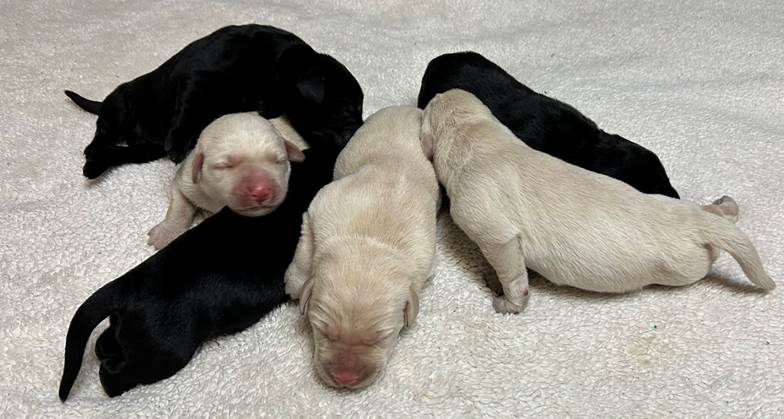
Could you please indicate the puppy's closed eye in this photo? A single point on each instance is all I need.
(326, 333)
(221, 166)
(226, 163)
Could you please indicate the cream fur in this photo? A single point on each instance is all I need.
(367, 247)
(254, 146)
(526, 209)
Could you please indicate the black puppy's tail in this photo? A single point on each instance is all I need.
(96, 308)
(91, 106)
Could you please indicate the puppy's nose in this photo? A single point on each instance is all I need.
(258, 192)
(345, 377)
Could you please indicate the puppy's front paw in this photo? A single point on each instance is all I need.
(502, 305)
(163, 234)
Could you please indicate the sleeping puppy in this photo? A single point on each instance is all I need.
(240, 161)
(367, 247)
(546, 124)
(526, 209)
(218, 278)
(234, 69)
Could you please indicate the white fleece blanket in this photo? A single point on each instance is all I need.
(700, 83)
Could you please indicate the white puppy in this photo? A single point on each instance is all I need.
(241, 161)
(526, 209)
(366, 249)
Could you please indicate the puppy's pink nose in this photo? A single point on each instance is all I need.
(258, 192)
(345, 377)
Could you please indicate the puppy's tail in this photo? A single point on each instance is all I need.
(721, 233)
(96, 308)
(91, 106)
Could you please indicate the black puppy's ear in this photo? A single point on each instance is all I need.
(312, 89)
(301, 67)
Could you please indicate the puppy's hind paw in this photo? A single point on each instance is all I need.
(725, 207)
(93, 169)
(163, 234)
(502, 305)
(728, 207)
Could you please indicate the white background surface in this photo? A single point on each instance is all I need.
(700, 83)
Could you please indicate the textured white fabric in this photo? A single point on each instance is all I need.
(700, 83)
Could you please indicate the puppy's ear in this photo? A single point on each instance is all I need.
(426, 138)
(412, 307)
(293, 152)
(198, 162)
(312, 89)
(304, 298)
(300, 66)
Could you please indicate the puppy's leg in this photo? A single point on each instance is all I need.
(298, 271)
(432, 270)
(100, 157)
(509, 264)
(179, 218)
(106, 346)
(724, 207)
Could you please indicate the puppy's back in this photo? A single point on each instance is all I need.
(389, 138)
(384, 185)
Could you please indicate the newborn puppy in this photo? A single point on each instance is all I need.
(367, 247)
(218, 278)
(526, 209)
(544, 123)
(240, 161)
(234, 69)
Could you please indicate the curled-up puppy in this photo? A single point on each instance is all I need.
(367, 247)
(218, 278)
(544, 123)
(234, 69)
(240, 161)
(526, 209)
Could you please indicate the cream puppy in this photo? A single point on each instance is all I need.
(526, 209)
(366, 249)
(241, 161)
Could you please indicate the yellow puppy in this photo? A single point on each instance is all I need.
(526, 209)
(367, 248)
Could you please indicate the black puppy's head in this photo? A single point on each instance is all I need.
(323, 99)
(633, 164)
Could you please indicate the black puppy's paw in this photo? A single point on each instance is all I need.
(106, 346)
(115, 380)
(93, 169)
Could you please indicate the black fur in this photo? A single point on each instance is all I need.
(218, 278)
(544, 123)
(234, 69)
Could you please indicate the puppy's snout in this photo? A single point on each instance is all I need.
(347, 370)
(259, 192)
(344, 377)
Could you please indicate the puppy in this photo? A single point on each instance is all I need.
(218, 278)
(546, 124)
(367, 247)
(234, 69)
(526, 209)
(240, 161)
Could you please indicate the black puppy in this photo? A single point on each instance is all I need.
(234, 69)
(544, 123)
(218, 278)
